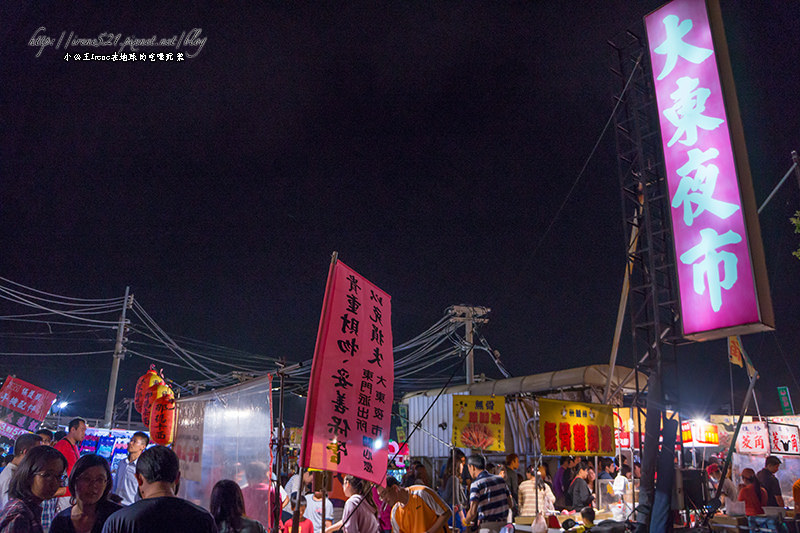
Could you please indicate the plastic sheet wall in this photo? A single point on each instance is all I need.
(236, 427)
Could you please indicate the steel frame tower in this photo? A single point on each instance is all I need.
(652, 301)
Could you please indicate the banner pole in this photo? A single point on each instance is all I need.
(279, 457)
(311, 387)
(730, 373)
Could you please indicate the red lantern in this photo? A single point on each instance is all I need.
(154, 392)
(149, 378)
(162, 420)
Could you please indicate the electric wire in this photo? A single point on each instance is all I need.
(119, 299)
(169, 343)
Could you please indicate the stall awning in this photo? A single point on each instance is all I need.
(593, 376)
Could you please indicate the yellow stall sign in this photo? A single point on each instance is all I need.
(479, 422)
(572, 428)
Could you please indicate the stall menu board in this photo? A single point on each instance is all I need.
(479, 422)
(573, 428)
(753, 439)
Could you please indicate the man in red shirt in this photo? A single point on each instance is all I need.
(70, 447)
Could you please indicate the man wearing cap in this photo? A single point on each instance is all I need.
(728, 488)
(768, 480)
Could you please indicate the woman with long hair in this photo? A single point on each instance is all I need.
(532, 489)
(37, 478)
(752, 493)
(90, 484)
(360, 513)
(454, 489)
(227, 508)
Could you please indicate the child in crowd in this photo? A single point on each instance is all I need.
(306, 526)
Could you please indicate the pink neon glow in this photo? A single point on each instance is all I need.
(738, 304)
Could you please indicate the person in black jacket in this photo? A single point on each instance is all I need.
(578, 494)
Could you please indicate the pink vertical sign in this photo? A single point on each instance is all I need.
(716, 278)
(351, 389)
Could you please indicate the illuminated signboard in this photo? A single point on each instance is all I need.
(718, 249)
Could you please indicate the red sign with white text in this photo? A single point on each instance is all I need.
(25, 398)
(351, 389)
(10, 431)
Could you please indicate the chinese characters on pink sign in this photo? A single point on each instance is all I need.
(349, 406)
(11, 432)
(30, 401)
(713, 258)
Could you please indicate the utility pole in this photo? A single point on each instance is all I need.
(796, 166)
(119, 354)
(469, 316)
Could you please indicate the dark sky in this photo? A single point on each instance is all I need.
(429, 143)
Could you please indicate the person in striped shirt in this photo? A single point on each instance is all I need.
(489, 499)
(415, 509)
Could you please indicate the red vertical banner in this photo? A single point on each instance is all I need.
(350, 395)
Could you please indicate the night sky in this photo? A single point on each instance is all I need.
(430, 143)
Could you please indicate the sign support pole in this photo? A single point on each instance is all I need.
(715, 502)
(119, 353)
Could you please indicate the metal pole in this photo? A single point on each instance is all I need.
(119, 353)
(296, 511)
(278, 461)
(453, 480)
(794, 168)
(730, 373)
(758, 411)
(471, 352)
(324, 477)
(715, 502)
(623, 306)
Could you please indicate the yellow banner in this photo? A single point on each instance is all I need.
(735, 351)
(479, 422)
(572, 428)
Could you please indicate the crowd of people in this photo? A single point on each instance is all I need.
(49, 486)
(46, 485)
